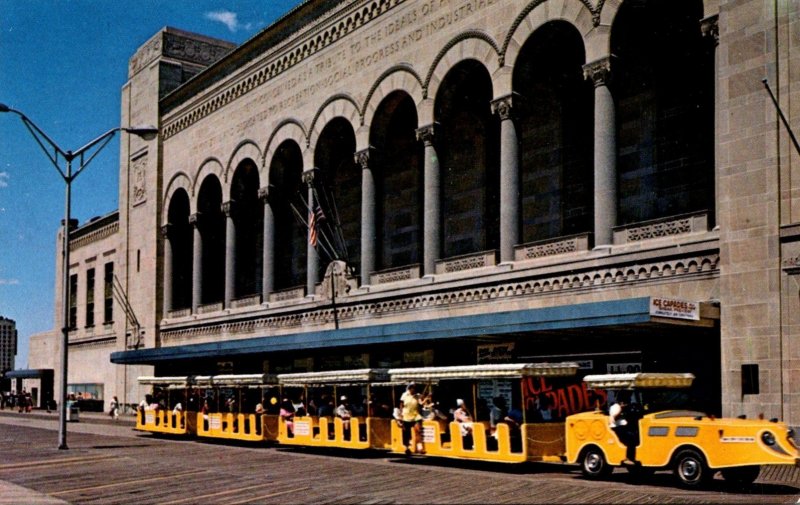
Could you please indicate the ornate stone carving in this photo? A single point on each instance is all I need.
(210, 307)
(287, 294)
(555, 247)
(502, 107)
(466, 262)
(309, 175)
(263, 194)
(172, 314)
(338, 278)
(362, 158)
(195, 219)
(147, 53)
(425, 134)
(579, 281)
(246, 301)
(709, 27)
(98, 234)
(193, 50)
(228, 208)
(139, 180)
(395, 275)
(599, 71)
(165, 231)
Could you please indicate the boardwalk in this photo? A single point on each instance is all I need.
(112, 464)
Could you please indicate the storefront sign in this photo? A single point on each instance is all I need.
(675, 309)
(496, 353)
(624, 367)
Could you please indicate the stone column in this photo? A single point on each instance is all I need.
(605, 153)
(710, 28)
(367, 216)
(509, 179)
(432, 243)
(268, 247)
(197, 262)
(312, 261)
(228, 209)
(165, 233)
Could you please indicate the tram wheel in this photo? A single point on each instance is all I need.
(594, 464)
(741, 476)
(691, 469)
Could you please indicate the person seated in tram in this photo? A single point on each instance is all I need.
(464, 419)
(287, 414)
(344, 412)
(325, 408)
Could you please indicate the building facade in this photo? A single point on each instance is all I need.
(600, 181)
(8, 343)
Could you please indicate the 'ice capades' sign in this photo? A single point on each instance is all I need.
(676, 309)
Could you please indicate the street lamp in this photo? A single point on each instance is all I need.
(55, 154)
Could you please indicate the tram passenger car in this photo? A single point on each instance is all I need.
(318, 395)
(531, 440)
(691, 444)
(154, 416)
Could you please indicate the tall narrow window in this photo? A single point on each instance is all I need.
(108, 294)
(73, 301)
(90, 298)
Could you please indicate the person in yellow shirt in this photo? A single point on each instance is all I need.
(412, 419)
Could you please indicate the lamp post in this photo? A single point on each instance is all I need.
(84, 155)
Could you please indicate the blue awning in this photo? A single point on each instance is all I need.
(585, 315)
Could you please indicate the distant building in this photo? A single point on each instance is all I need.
(8, 343)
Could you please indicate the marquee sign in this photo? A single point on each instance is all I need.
(674, 309)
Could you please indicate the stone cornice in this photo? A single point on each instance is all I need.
(279, 62)
(630, 274)
(94, 236)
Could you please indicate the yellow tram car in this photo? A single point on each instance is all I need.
(691, 444)
(530, 441)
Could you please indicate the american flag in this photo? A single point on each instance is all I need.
(314, 220)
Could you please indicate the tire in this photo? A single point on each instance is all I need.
(741, 476)
(690, 469)
(594, 464)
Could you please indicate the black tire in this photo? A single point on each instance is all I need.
(594, 464)
(690, 469)
(741, 476)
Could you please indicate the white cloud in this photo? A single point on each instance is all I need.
(9, 282)
(229, 19)
(4, 176)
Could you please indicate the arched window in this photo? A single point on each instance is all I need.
(248, 216)
(396, 163)
(286, 195)
(467, 143)
(212, 230)
(180, 238)
(662, 81)
(553, 107)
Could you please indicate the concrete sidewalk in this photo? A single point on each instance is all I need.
(86, 417)
(12, 494)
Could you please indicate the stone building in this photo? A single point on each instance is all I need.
(600, 181)
(8, 343)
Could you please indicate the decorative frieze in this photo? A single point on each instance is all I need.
(599, 71)
(287, 294)
(658, 228)
(246, 301)
(94, 236)
(467, 262)
(396, 275)
(210, 307)
(576, 282)
(552, 247)
(174, 314)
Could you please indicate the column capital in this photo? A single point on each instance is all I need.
(263, 194)
(503, 106)
(599, 71)
(166, 230)
(362, 157)
(228, 208)
(425, 134)
(310, 175)
(194, 219)
(709, 27)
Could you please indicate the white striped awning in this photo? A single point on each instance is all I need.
(147, 380)
(491, 371)
(639, 380)
(337, 377)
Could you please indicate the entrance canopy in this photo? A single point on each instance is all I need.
(577, 317)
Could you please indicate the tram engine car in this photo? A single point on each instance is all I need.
(692, 444)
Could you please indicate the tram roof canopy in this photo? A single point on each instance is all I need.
(491, 371)
(639, 380)
(165, 381)
(210, 380)
(339, 377)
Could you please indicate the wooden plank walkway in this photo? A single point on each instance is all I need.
(112, 464)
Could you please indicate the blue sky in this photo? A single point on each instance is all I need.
(63, 64)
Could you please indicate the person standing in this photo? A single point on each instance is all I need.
(114, 410)
(409, 403)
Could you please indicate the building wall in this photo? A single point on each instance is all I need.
(8, 343)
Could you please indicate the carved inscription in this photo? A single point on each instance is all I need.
(375, 46)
